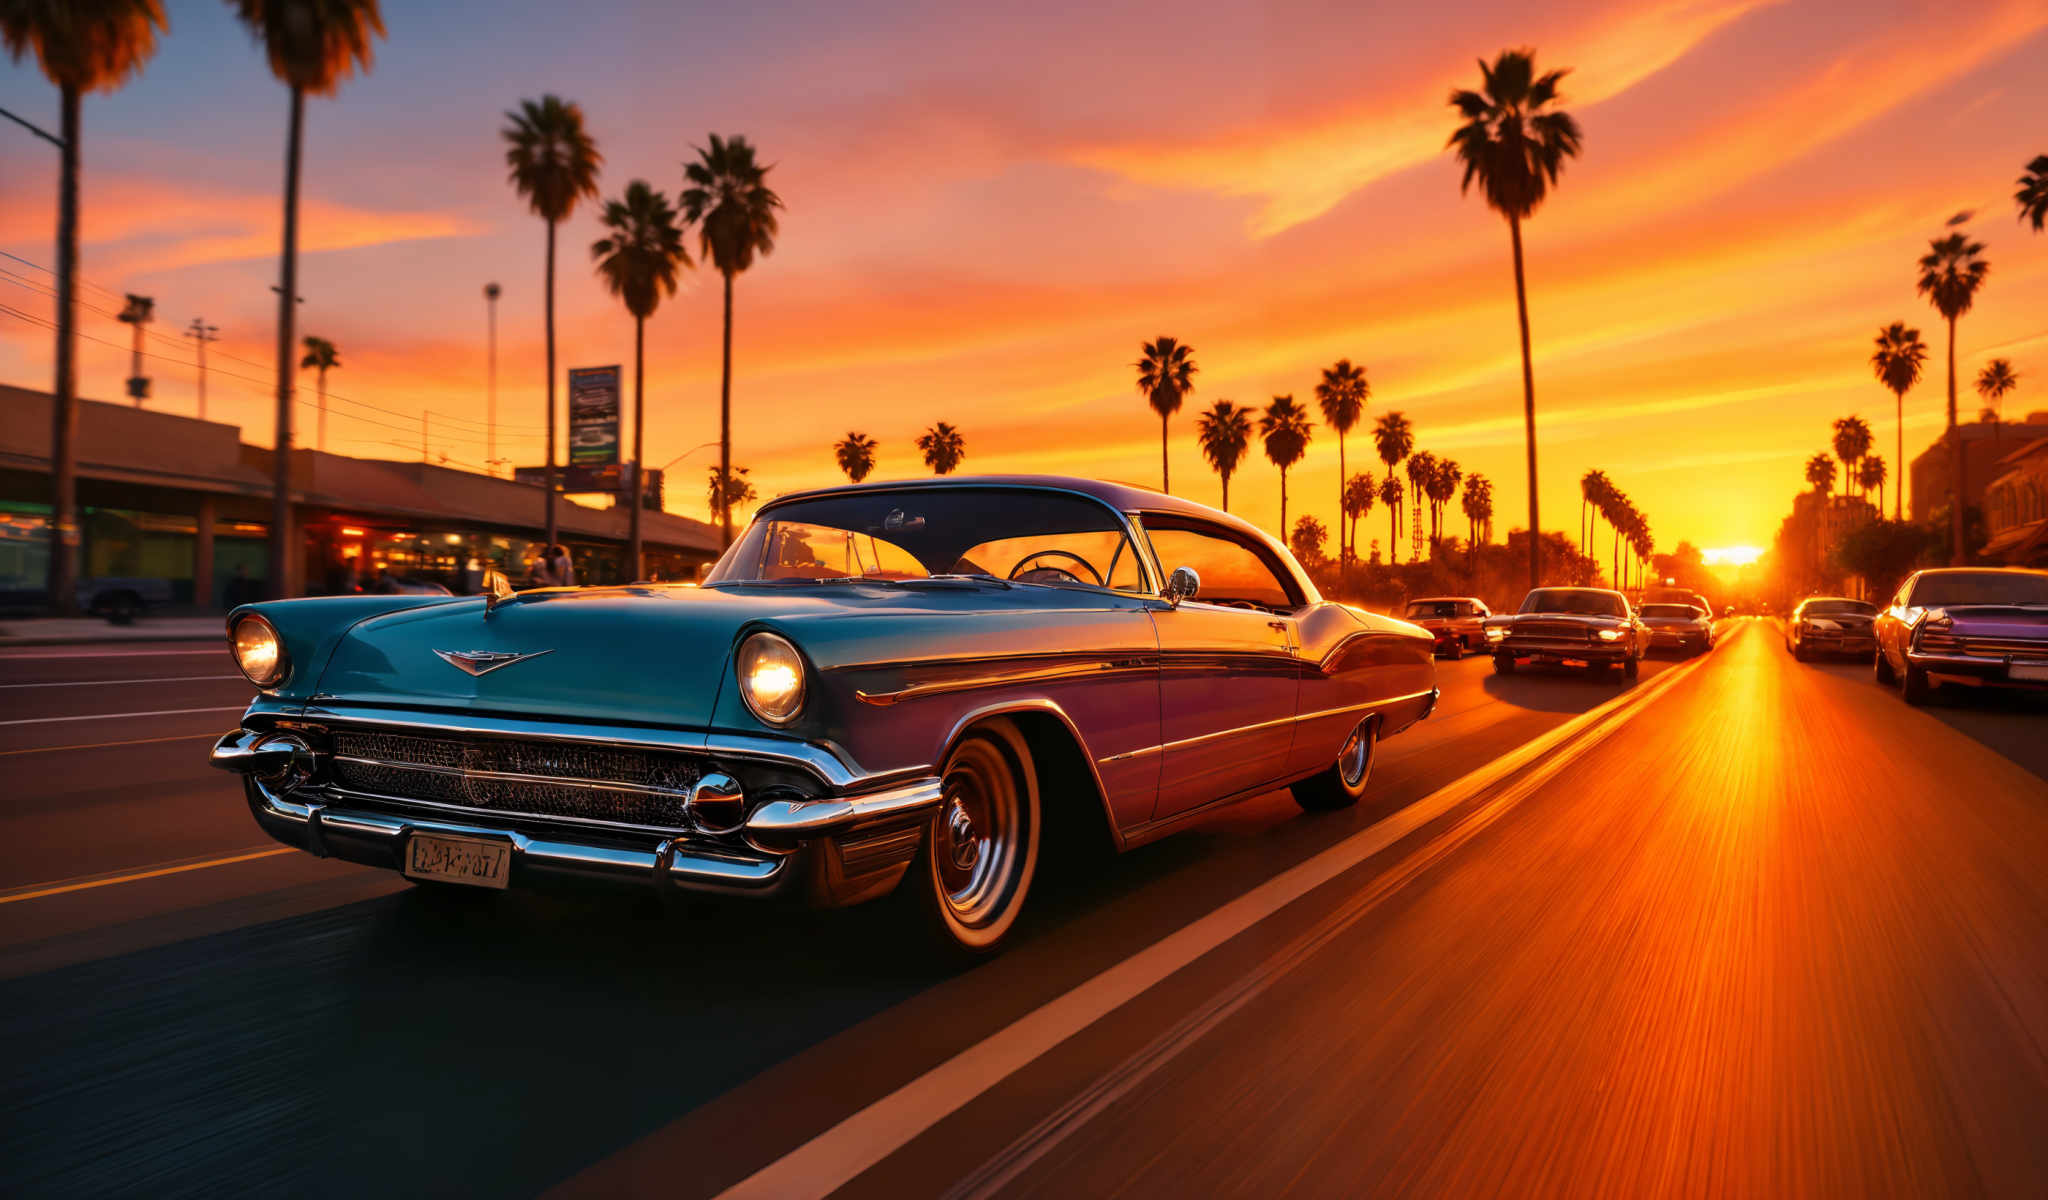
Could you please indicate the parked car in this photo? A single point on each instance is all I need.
(885, 688)
(1458, 623)
(1965, 626)
(1830, 625)
(1593, 629)
(120, 601)
(1679, 627)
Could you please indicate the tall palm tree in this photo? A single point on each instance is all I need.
(1286, 428)
(1442, 489)
(2033, 194)
(1478, 506)
(1421, 469)
(553, 162)
(312, 47)
(1851, 443)
(1342, 395)
(1166, 374)
(856, 455)
(1359, 493)
(1391, 494)
(1951, 272)
(1993, 382)
(1897, 360)
(1392, 439)
(1225, 431)
(1872, 475)
(1616, 508)
(1514, 142)
(320, 356)
(942, 447)
(82, 46)
(738, 490)
(733, 207)
(640, 262)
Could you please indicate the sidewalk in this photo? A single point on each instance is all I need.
(65, 631)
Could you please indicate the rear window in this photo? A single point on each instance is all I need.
(1432, 610)
(1579, 602)
(1839, 608)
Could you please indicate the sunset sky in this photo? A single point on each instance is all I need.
(988, 211)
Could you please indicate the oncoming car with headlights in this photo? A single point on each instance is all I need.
(904, 689)
(1593, 629)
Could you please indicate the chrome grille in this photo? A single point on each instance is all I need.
(614, 784)
(2000, 647)
(1556, 630)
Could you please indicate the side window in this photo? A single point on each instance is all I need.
(1232, 572)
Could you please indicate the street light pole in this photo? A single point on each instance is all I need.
(140, 311)
(491, 291)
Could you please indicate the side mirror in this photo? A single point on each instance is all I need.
(1181, 585)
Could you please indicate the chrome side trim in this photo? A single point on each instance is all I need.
(1141, 661)
(1220, 734)
(833, 766)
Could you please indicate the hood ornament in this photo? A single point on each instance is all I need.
(497, 589)
(483, 662)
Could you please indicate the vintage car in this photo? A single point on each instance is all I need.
(1830, 625)
(1968, 626)
(1679, 627)
(899, 688)
(1458, 623)
(1590, 628)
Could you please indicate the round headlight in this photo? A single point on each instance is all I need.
(1610, 635)
(259, 652)
(771, 678)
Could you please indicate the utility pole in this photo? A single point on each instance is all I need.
(63, 568)
(201, 333)
(491, 291)
(424, 456)
(140, 311)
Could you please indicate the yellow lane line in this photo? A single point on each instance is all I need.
(176, 737)
(132, 876)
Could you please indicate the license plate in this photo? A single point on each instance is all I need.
(479, 862)
(2030, 671)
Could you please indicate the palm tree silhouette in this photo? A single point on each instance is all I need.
(1851, 442)
(1392, 438)
(1897, 362)
(942, 447)
(1993, 382)
(82, 46)
(1872, 475)
(640, 263)
(1421, 471)
(1359, 493)
(1593, 487)
(1950, 275)
(1307, 540)
(856, 455)
(739, 490)
(1342, 395)
(1478, 506)
(1166, 374)
(2033, 194)
(1820, 472)
(320, 356)
(553, 163)
(1514, 142)
(311, 48)
(733, 207)
(1391, 494)
(1225, 431)
(1443, 488)
(1286, 428)
(1616, 508)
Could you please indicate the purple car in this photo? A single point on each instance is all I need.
(1975, 627)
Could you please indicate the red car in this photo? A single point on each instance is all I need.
(1458, 623)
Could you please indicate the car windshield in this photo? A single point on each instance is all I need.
(1839, 608)
(1980, 587)
(1682, 611)
(1582, 602)
(1017, 535)
(1432, 610)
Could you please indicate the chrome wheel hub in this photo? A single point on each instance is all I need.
(977, 836)
(960, 832)
(1355, 759)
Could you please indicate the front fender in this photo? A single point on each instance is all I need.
(311, 628)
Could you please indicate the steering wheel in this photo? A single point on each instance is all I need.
(1067, 554)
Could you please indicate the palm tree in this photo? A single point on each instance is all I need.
(1820, 472)
(733, 207)
(1442, 489)
(1166, 374)
(641, 262)
(942, 447)
(1897, 362)
(1478, 505)
(1224, 432)
(1851, 442)
(1421, 469)
(2033, 194)
(1393, 438)
(1359, 493)
(1307, 539)
(856, 455)
(1514, 142)
(320, 356)
(1391, 495)
(1287, 431)
(738, 490)
(553, 163)
(1993, 382)
(1950, 274)
(1872, 475)
(1342, 395)
(1616, 508)
(82, 46)
(311, 48)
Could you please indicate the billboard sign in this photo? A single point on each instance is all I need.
(593, 416)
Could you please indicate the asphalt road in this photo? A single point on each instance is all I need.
(1748, 927)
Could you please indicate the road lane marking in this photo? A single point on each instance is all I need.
(153, 679)
(153, 873)
(160, 712)
(176, 737)
(841, 1153)
(6, 656)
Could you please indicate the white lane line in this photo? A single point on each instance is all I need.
(160, 712)
(131, 877)
(10, 656)
(90, 682)
(840, 1154)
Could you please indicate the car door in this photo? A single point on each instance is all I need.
(1229, 674)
